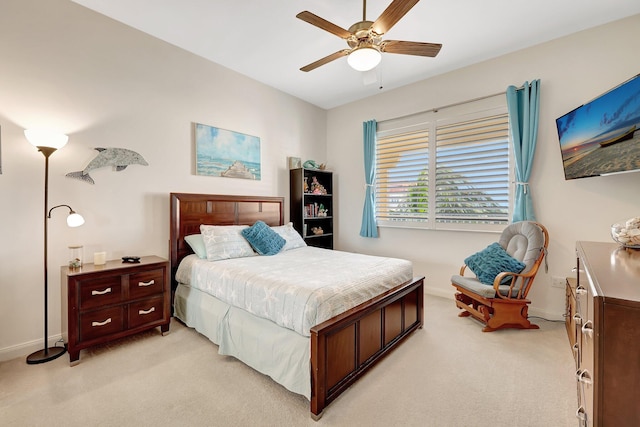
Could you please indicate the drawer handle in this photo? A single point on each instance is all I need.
(583, 376)
(577, 318)
(149, 283)
(587, 328)
(151, 310)
(576, 348)
(101, 323)
(106, 291)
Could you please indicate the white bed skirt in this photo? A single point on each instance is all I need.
(282, 354)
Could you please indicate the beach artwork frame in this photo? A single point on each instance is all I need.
(225, 153)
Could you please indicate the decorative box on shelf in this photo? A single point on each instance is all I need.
(101, 303)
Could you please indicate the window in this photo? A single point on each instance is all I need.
(465, 154)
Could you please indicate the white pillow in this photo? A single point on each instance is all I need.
(225, 242)
(293, 238)
(197, 244)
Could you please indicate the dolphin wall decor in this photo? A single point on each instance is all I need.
(119, 158)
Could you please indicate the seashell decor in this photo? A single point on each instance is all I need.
(627, 233)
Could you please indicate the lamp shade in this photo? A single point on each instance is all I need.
(75, 219)
(45, 138)
(364, 58)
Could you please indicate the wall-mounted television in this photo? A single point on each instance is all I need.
(602, 137)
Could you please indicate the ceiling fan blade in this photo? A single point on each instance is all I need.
(392, 14)
(323, 24)
(326, 59)
(410, 48)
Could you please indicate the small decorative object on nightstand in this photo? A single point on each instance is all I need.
(106, 302)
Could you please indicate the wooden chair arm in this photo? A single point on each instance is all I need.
(514, 277)
(462, 269)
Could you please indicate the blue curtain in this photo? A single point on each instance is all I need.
(523, 105)
(369, 227)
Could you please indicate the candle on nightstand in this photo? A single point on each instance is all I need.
(99, 258)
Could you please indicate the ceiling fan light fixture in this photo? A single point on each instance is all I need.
(364, 58)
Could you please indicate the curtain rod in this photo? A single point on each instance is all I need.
(480, 98)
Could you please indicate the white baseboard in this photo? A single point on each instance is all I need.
(25, 349)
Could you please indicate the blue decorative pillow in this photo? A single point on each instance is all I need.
(491, 261)
(263, 239)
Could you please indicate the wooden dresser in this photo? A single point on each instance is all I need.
(101, 303)
(607, 334)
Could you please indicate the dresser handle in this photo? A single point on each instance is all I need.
(151, 310)
(101, 323)
(149, 283)
(576, 348)
(587, 328)
(583, 376)
(577, 318)
(106, 291)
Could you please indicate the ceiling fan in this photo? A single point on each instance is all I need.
(365, 38)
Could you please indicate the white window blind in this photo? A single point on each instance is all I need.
(402, 179)
(472, 172)
(464, 155)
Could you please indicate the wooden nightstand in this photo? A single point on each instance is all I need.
(101, 303)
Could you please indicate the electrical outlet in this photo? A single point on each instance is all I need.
(558, 282)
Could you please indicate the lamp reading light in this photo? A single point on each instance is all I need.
(364, 58)
(73, 220)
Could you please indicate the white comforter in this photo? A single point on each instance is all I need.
(299, 288)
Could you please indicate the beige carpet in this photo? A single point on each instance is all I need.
(447, 374)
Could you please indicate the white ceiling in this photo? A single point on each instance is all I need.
(264, 40)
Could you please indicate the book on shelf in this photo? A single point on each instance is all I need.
(311, 210)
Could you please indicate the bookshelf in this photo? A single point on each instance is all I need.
(311, 205)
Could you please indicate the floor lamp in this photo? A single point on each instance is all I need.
(47, 143)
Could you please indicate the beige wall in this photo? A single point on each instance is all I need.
(107, 85)
(572, 70)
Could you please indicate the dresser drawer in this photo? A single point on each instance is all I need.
(100, 291)
(146, 283)
(147, 311)
(95, 324)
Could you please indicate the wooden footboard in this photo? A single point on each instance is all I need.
(346, 346)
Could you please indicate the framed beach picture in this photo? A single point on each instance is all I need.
(225, 153)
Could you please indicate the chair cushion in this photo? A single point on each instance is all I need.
(477, 287)
(523, 240)
(491, 261)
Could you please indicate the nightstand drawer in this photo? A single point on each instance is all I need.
(99, 323)
(147, 311)
(100, 292)
(146, 283)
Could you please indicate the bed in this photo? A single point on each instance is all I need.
(319, 361)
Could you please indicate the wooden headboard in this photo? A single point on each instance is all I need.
(188, 211)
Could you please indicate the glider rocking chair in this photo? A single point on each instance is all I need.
(504, 272)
